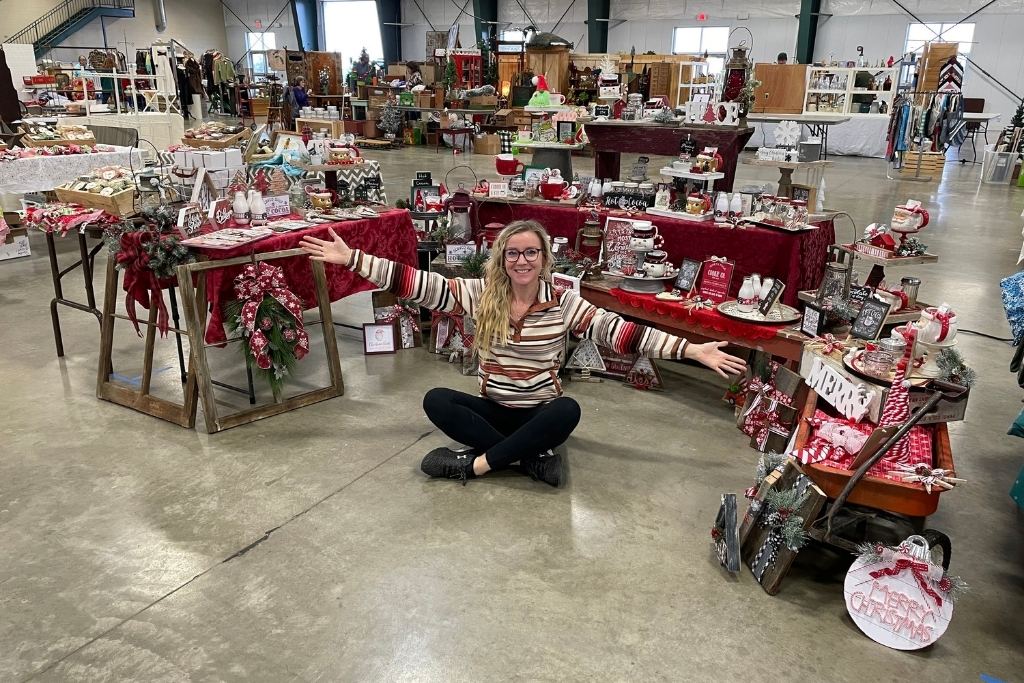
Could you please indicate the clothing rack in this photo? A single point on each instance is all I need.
(918, 97)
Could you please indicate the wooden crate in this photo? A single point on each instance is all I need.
(932, 164)
(120, 204)
(902, 498)
(259, 106)
(29, 142)
(223, 143)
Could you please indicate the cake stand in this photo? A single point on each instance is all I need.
(931, 368)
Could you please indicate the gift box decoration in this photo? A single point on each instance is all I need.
(769, 416)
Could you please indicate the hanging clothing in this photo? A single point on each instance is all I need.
(166, 78)
(195, 76)
(224, 70)
(207, 65)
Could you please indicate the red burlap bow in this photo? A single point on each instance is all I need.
(920, 572)
(762, 417)
(141, 284)
(259, 280)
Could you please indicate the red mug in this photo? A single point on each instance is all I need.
(551, 190)
(506, 164)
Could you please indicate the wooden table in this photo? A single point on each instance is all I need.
(815, 171)
(610, 138)
(788, 342)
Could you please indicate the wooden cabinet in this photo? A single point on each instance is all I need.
(781, 90)
(553, 62)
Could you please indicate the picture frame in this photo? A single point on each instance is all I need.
(455, 254)
(563, 281)
(566, 129)
(277, 206)
(689, 271)
(813, 320)
(535, 173)
(379, 338)
(808, 193)
(772, 298)
(869, 322)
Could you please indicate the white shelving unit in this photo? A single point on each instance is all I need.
(696, 81)
(830, 89)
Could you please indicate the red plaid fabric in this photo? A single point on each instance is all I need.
(820, 451)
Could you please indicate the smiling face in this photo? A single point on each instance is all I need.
(521, 271)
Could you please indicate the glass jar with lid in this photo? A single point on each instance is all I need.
(780, 211)
(799, 212)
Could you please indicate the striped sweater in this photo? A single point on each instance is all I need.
(523, 373)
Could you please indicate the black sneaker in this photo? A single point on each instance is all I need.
(448, 464)
(546, 467)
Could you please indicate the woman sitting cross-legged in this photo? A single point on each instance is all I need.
(520, 413)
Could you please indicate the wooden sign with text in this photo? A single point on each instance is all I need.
(715, 280)
(851, 399)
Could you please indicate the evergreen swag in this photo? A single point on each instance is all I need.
(275, 338)
(1018, 116)
(164, 252)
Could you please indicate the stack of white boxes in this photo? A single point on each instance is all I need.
(221, 164)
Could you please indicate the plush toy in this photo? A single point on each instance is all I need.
(541, 96)
(842, 436)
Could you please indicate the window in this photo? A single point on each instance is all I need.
(258, 44)
(919, 34)
(696, 40)
(349, 26)
(511, 36)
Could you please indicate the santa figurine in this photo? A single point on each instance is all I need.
(542, 95)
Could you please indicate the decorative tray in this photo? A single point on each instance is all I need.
(781, 314)
(775, 226)
(682, 215)
(854, 362)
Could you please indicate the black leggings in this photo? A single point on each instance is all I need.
(504, 434)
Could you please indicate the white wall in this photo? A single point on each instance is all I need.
(264, 10)
(17, 14)
(997, 49)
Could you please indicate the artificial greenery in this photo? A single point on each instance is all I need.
(474, 265)
(442, 232)
(780, 513)
(490, 65)
(401, 204)
(274, 320)
(449, 75)
(390, 117)
(165, 252)
(1018, 116)
(746, 98)
(954, 369)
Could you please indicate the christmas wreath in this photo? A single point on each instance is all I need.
(268, 316)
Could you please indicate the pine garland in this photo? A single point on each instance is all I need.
(165, 251)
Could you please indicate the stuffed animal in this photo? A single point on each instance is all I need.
(541, 96)
(842, 436)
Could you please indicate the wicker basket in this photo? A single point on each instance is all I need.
(120, 204)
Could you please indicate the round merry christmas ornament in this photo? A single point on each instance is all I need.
(897, 597)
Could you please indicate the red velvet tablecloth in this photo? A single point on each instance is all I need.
(707, 318)
(391, 236)
(798, 259)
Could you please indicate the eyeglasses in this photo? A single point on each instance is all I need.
(512, 255)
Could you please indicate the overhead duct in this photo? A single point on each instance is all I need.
(160, 14)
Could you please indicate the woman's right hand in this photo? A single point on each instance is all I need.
(333, 250)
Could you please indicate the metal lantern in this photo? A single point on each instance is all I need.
(836, 283)
(737, 71)
(460, 207)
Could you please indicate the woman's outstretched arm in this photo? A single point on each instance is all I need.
(430, 290)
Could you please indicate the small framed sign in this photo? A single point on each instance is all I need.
(566, 130)
(457, 253)
(774, 293)
(716, 278)
(422, 182)
(534, 173)
(609, 92)
(813, 320)
(561, 282)
(859, 294)
(423, 175)
(497, 190)
(808, 193)
(869, 322)
(602, 111)
(190, 220)
(688, 272)
(379, 338)
(277, 206)
(220, 213)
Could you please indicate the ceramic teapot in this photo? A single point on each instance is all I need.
(938, 325)
(656, 263)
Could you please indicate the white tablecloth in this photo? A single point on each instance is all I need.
(862, 135)
(37, 174)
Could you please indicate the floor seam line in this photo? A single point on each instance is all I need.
(236, 554)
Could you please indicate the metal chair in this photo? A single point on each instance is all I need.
(973, 105)
(110, 135)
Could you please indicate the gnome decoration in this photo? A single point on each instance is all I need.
(897, 404)
(541, 96)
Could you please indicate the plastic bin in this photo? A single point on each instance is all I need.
(997, 167)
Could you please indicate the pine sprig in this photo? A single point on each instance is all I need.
(953, 368)
(781, 514)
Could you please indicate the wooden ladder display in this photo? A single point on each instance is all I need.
(182, 414)
(274, 119)
(195, 309)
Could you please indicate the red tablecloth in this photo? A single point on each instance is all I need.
(390, 236)
(707, 318)
(798, 259)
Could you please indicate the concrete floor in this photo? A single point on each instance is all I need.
(309, 546)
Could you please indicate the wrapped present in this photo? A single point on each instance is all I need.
(769, 416)
(407, 318)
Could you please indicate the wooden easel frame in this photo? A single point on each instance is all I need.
(195, 309)
(182, 414)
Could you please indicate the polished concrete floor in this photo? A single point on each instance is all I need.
(309, 547)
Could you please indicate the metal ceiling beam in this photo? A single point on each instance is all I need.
(598, 16)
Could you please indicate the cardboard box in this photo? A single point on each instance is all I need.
(16, 248)
(487, 144)
(396, 71)
(370, 130)
(183, 158)
(439, 98)
(425, 100)
(222, 177)
(378, 96)
(373, 114)
(483, 102)
(430, 73)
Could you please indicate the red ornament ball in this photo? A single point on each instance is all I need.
(289, 335)
(266, 323)
(945, 584)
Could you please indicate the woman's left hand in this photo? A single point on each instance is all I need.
(711, 355)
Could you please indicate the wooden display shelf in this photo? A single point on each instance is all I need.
(547, 110)
(676, 173)
(911, 315)
(793, 165)
(28, 141)
(895, 261)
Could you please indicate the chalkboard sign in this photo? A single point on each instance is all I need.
(859, 294)
(372, 182)
(604, 110)
(870, 320)
(774, 293)
(688, 272)
(813, 320)
(629, 201)
(424, 175)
